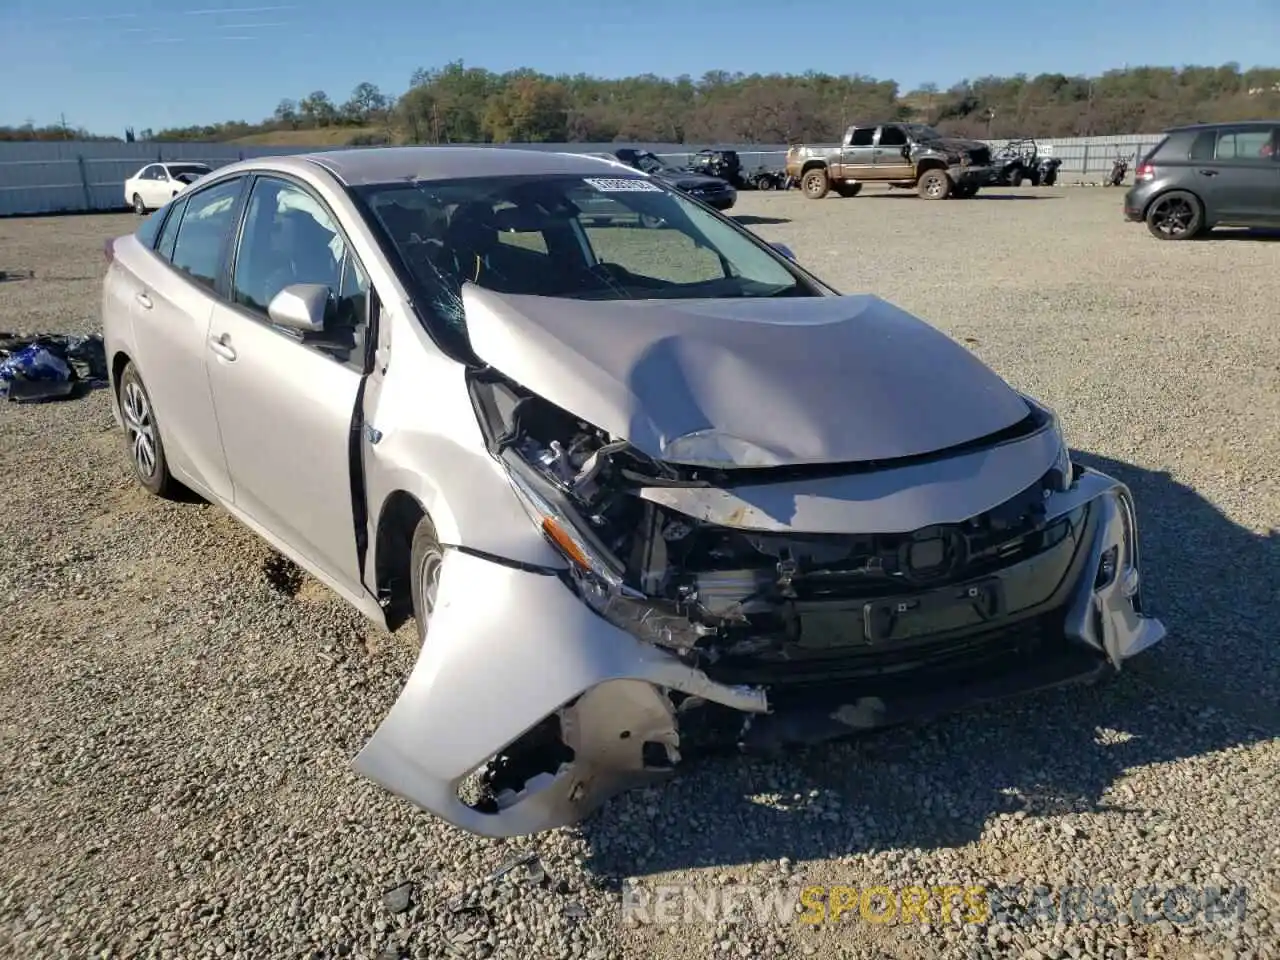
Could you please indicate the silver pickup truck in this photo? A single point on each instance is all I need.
(911, 155)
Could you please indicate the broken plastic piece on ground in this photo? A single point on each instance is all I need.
(7, 275)
(49, 366)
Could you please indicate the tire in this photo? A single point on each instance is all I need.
(815, 184)
(964, 191)
(934, 185)
(1176, 215)
(426, 558)
(142, 436)
(139, 207)
(848, 189)
(764, 183)
(1015, 177)
(1035, 178)
(1050, 179)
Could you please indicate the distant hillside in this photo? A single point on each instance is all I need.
(460, 104)
(319, 137)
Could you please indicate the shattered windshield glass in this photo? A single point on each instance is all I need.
(590, 238)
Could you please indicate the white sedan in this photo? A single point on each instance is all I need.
(157, 183)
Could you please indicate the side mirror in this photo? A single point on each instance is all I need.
(300, 306)
(786, 251)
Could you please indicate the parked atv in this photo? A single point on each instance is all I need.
(1020, 160)
(765, 179)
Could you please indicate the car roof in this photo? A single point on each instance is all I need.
(1224, 123)
(373, 165)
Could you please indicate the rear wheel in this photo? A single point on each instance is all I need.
(1176, 215)
(426, 560)
(934, 185)
(848, 189)
(964, 191)
(815, 184)
(1015, 177)
(764, 182)
(142, 432)
(139, 207)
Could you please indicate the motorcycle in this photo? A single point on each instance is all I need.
(1119, 169)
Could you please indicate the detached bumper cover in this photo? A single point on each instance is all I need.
(508, 648)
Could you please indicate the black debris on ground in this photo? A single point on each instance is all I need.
(40, 367)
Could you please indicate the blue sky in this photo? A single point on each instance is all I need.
(107, 64)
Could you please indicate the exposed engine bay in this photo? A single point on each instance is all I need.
(710, 591)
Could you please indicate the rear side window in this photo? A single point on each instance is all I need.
(169, 234)
(150, 229)
(202, 234)
(1203, 146)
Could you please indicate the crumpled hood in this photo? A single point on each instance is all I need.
(955, 144)
(792, 380)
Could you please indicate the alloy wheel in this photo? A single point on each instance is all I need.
(140, 425)
(1172, 216)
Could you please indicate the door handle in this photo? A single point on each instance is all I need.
(221, 345)
(144, 299)
(1208, 173)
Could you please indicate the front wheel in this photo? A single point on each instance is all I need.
(139, 207)
(815, 184)
(142, 431)
(426, 560)
(1176, 215)
(934, 185)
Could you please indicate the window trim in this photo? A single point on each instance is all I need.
(362, 364)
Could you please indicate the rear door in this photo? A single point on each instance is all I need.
(890, 154)
(1236, 171)
(286, 403)
(172, 304)
(857, 158)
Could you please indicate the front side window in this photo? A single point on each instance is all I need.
(289, 237)
(206, 224)
(892, 137)
(598, 237)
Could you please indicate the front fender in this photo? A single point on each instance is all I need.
(505, 649)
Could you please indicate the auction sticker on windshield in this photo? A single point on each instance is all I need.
(621, 185)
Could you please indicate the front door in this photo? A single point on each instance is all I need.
(286, 401)
(891, 159)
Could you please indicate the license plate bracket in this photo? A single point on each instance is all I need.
(947, 609)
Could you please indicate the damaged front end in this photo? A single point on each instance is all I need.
(750, 606)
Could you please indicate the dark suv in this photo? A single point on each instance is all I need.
(1202, 176)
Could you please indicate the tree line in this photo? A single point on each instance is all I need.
(461, 104)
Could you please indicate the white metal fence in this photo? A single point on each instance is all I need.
(58, 176)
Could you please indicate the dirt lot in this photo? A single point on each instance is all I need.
(177, 713)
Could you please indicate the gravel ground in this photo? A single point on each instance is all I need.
(178, 709)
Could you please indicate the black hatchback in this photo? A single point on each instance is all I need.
(1207, 175)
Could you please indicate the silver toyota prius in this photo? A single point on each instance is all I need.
(638, 476)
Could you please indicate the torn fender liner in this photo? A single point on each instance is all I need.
(796, 380)
(949, 490)
(505, 650)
